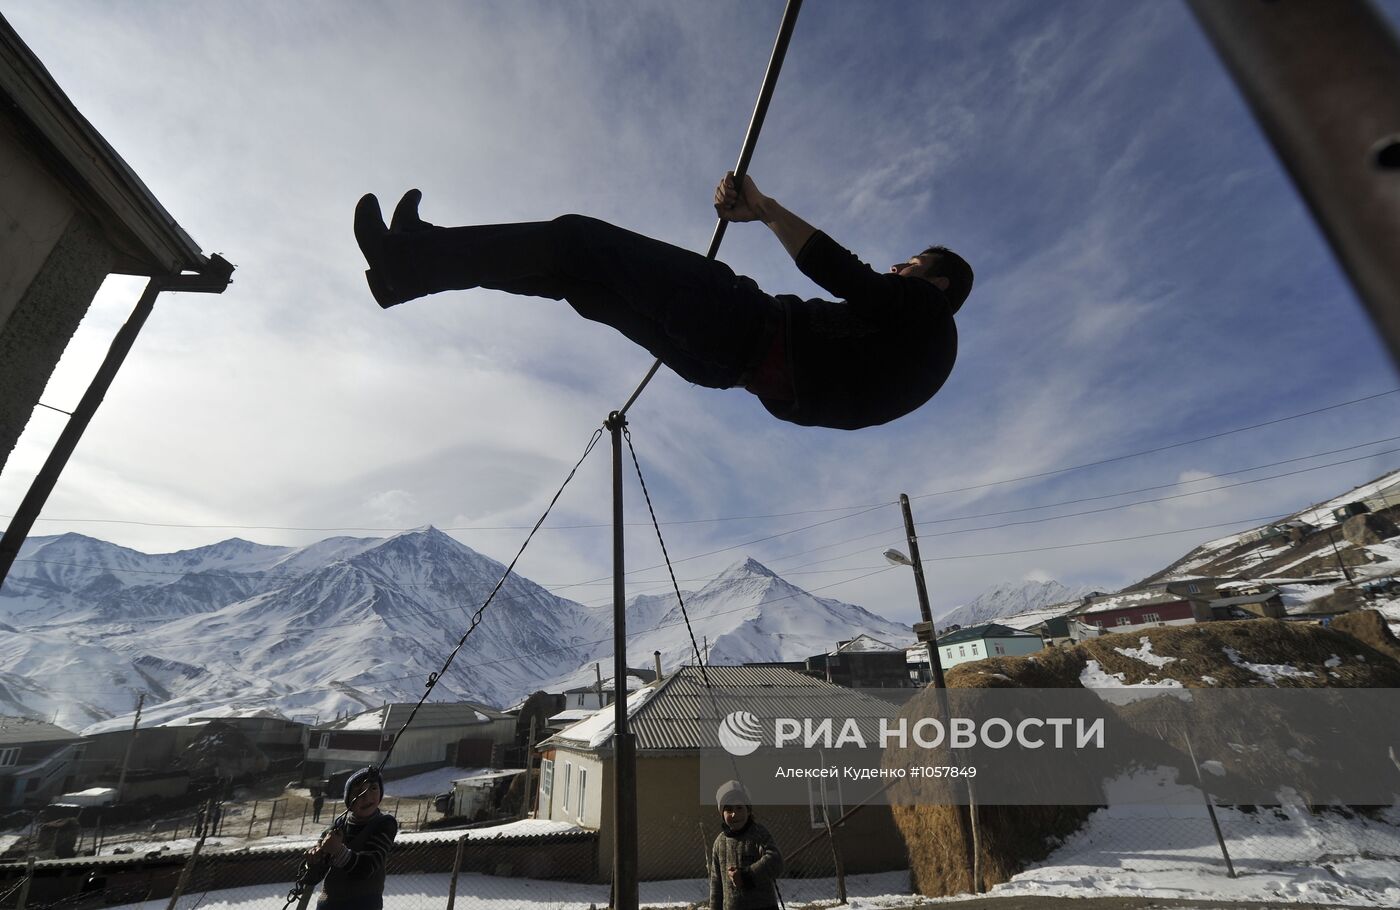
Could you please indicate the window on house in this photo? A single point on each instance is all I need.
(824, 801)
(1001, 649)
(568, 779)
(962, 650)
(1151, 617)
(9, 757)
(949, 652)
(546, 783)
(1125, 621)
(1193, 588)
(582, 786)
(974, 649)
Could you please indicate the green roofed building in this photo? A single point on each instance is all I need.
(987, 640)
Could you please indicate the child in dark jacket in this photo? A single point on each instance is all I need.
(356, 848)
(744, 862)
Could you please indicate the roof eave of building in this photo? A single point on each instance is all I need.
(147, 239)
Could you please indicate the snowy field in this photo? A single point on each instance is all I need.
(486, 892)
(1169, 850)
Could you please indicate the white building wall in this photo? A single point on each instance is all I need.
(982, 648)
(564, 802)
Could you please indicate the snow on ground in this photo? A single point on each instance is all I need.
(1144, 653)
(1297, 597)
(1270, 672)
(1319, 515)
(1154, 841)
(429, 783)
(1390, 609)
(1168, 850)
(489, 892)
(1112, 687)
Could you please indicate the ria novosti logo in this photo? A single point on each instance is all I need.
(740, 733)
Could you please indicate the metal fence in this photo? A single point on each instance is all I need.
(542, 864)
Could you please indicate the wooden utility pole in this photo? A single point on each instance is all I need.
(126, 758)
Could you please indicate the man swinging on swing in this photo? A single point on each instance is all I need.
(878, 353)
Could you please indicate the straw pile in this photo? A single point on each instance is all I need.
(1211, 655)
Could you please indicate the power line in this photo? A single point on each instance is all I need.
(878, 533)
(923, 523)
(1174, 445)
(725, 518)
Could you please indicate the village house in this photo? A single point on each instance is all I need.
(1175, 603)
(987, 640)
(676, 821)
(195, 748)
(1133, 610)
(464, 734)
(863, 662)
(37, 761)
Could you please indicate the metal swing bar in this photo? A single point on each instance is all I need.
(625, 840)
(760, 110)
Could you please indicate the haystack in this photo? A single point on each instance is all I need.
(1368, 528)
(1371, 629)
(1205, 656)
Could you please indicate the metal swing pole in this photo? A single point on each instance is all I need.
(760, 110)
(625, 892)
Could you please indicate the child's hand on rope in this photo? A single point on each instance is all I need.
(330, 846)
(733, 205)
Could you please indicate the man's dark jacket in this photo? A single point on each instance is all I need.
(878, 353)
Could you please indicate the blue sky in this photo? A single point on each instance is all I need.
(1146, 275)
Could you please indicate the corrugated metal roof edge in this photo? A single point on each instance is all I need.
(450, 835)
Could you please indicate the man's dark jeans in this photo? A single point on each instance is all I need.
(709, 325)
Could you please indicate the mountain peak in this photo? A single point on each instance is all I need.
(748, 566)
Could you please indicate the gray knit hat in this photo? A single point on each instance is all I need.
(359, 781)
(731, 793)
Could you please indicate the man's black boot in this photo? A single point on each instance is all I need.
(373, 236)
(413, 258)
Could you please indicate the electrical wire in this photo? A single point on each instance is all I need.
(725, 518)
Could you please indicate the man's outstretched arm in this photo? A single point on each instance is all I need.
(752, 205)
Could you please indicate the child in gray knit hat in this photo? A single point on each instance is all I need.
(744, 862)
(352, 854)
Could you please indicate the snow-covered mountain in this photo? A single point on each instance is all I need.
(748, 614)
(345, 624)
(1008, 599)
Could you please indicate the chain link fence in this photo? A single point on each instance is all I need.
(524, 863)
(533, 863)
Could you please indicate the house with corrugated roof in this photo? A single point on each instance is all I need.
(987, 640)
(864, 662)
(675, 723)
(1175, 603)
(464, 734)
(1129, 611)
(37, 759)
